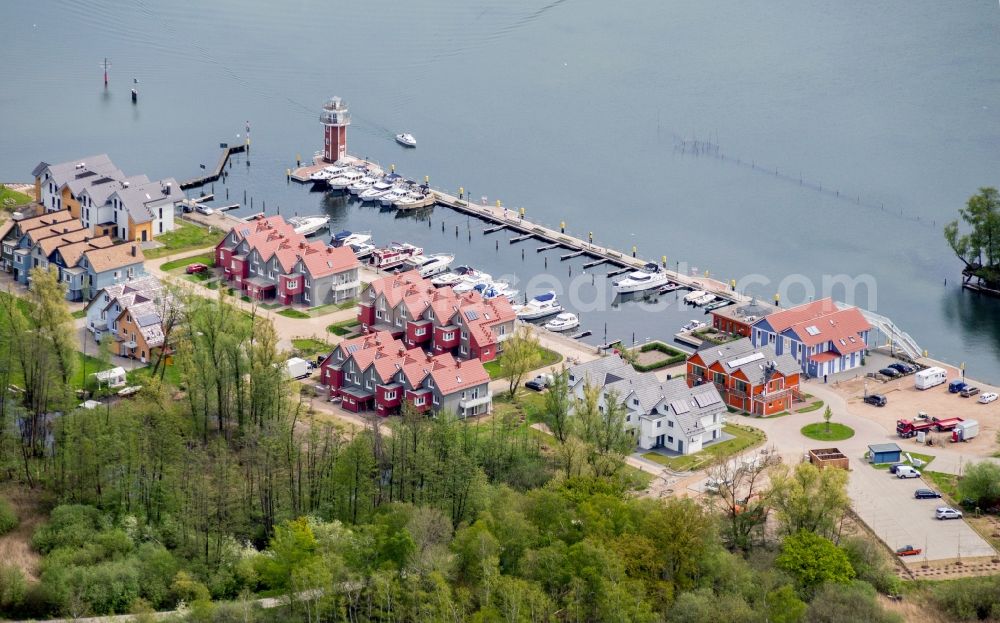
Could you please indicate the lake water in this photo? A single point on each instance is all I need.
(575, 110)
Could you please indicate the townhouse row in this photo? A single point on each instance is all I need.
(268, 260)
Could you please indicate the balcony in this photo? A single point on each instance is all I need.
(347, 285)
(470, 403)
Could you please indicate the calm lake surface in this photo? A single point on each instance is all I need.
(888, 113)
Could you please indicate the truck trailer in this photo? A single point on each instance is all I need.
(909, 428)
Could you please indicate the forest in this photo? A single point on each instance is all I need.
(224, 497)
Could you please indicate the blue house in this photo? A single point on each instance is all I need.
(823, 338)
(105, 267)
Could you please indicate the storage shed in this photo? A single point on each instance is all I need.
(115, 377)
(883, 453)
(829, 457)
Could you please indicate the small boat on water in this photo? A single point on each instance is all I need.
(704, 300)
(362, 250)
(393, 195)
(430, 265)
(348, 238)
(694, 325)
(563, 322)
(308, 225)
(362, 185)
(717, 304)
(496, 289)
(697, 294)
(326, 173)
(378, 189)
(646, 279)
(394, 255)
(453, 277)
(406, 140)
(541, 306)
(345, 179)
(670, 287)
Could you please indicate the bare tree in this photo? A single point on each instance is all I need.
(742, 496)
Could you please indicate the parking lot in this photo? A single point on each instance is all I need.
(887, 505)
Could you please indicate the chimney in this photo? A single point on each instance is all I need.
(429, 357)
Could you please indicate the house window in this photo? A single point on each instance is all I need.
(670, 423)
(465, 335)
(628, 418)
(450, 335)
(464, 350)
(368, 383)
(418, 401)
(463, 395)
(390, 395)
(659, 423)
(421, 331)
(670, 439)
(503, 329)
(118, 274)
(635, 401)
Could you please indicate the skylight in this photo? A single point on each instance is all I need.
(812, 330)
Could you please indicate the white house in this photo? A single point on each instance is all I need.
(666, 414)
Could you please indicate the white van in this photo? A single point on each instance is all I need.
(925, 379)
(905, 471)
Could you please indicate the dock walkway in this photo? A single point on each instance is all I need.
(227, 151)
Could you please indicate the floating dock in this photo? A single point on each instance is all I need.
(499, 218)
(227, 151)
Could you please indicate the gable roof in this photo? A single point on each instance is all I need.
(145, 288)
(451, 376)
(25, 225)
(92, 167)
(742, 356)
(71, 253)
(781, 320)
(52, 233)
(328, 260)
(843, 328)
(141, 200)
(115, 256)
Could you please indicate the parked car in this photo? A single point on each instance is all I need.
(890, 372)
(902, 368)
(926, 494)
(195, 268)
(876, 399)
(987, 398)
(202, 209)
(946, 512)
(908, 550)
(905, 471)
(970, 390)
(540, 382)
(956, 386)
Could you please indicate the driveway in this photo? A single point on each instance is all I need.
(883, 502)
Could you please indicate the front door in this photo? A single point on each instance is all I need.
(680, 446)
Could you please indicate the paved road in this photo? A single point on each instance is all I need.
(885, 503)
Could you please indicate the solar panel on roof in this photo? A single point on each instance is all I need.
(471, 314)
(679, 406)
(742, 361)
(148, 319)
(706, 399)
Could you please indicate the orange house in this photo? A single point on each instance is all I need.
(737, 319)
(753, 380)
(140, 331)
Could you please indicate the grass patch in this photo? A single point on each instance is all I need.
(208, 259)
(546, 358)
(171, 376)
(710, 334)
(293, 313)
(80, 313)
(673, 356)
(344, 327)
(11, 198)
(926, 458)
(744, 437)
(819, 432)
(308, 347)
(812, 407)
(185, 236)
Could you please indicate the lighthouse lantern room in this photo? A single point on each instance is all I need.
(335, 119)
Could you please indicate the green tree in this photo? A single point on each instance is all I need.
(848, 601)
(981, 483)
(601, 416)
(813, 560)
(520, 355)
(827, 416)
(558, 403)
(784, 606)
(808, 498)
(979, 249)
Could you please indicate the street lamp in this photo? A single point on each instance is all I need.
(962, 368)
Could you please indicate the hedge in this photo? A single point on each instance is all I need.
(675, 356)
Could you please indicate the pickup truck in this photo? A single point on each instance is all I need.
(908, 550)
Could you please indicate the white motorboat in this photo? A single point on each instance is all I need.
(394, 255)
(541, 306)
(430, 265)
(563, 322)
(393, 195)
(375, 192)
(453, 277)
(670, 287)
(646, 279)
(469, 282)
(348, 238)
(406, 140)
(495, 289)
(694, 325)
(697, 294)
(362, 250)
(345, 179)
(704, 300)
(308, 225)
(329, 172)
(362, 185)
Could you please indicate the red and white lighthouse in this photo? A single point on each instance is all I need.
(335, 119)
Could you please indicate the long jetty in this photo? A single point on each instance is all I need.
(499, 218)
(216, 173)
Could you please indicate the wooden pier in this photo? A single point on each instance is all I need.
(227, 151)
(596, 262)
(568, 256)
(547, 247)
(499, 218)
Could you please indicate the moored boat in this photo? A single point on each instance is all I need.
(638, 281)
(430, 265)
(394, 255)
(406, 140)
(308, 225)
(563, 322)
(541, 306)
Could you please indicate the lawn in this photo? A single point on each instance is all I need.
(819, 432)
(208, 259)
(10, 198)
(546, 358)
(744, 437)
(810, 407)
(80, 313)
(185, 236)
(344, 327)
(293, 313)
(926, 458)
(140, 376)
(307, 347)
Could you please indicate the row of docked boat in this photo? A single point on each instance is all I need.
(370, 184)
(699, 298)
(468, 279)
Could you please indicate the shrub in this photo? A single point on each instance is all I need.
(674, 356)
(8, 519)
(981, 483)
(836, 603)
(70, 525)
(813, 560)
(970, 599)
(869, 562)
(13, 587)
